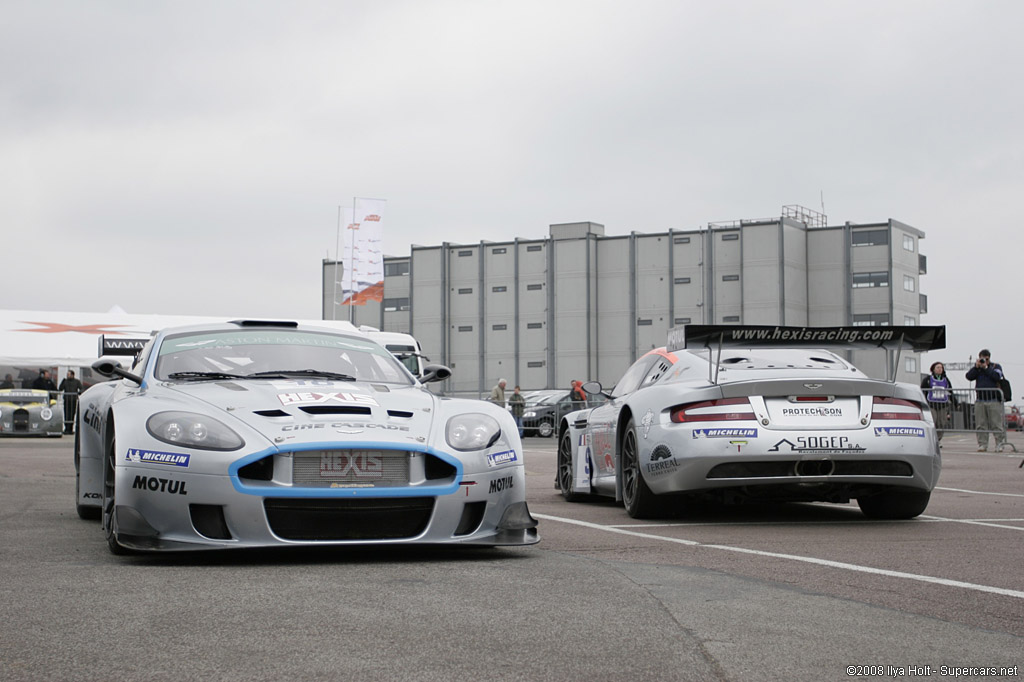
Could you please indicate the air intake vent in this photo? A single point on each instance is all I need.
(330, 409)
(400, 413)
(272, 413)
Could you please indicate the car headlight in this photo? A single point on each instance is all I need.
(193, 430)
(472, 431)
(46, 414)
(531, 413)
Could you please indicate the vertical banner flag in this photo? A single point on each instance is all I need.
(363, 254)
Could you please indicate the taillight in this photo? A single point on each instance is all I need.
(895, 408)
(724, 410)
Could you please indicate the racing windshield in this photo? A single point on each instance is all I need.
(276, 353)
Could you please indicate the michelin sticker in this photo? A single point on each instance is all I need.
(499, 458)
(724, 433)
(912, 432)
(173, 459)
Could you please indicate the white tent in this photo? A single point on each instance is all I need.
(38, 338)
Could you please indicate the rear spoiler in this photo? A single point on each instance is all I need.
(120, 346)
(915, 338)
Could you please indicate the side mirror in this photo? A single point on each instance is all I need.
(432, 373)
(593, 388)
(111, 369)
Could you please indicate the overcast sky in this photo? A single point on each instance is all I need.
(190, 157)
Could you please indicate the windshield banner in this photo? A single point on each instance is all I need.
(917, 338)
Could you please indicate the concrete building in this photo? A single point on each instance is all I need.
(583, 305)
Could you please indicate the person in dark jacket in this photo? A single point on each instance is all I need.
(988, 406)
(938, 392)
(71, 387)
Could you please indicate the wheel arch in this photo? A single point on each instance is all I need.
(625, 416)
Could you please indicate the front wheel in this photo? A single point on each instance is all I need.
(545, 428)
(565, 470)
(894, 504)
(638, 499)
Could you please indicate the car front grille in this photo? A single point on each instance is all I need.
(351, 468)
(349, 519)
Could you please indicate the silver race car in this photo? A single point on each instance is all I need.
(256, 433)
(733, 414)
(30, 412)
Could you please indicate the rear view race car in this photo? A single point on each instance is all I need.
(752, 421)
(251, 434)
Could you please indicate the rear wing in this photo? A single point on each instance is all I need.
(121, 346)
(710, 336)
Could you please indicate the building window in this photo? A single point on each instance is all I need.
(534, 287)
(870, 237)
(535, 363)
(499, 327)
(730, 278)
(908, 243)
(731, 237)
(393, 304)
(534, 325)
(498, 251)
(870, 319)
(682, 280)
(682, 320)
(681, 240)
(731, 318)
(911, 364)
(908, 283)
(396, 268)
(468, 252)
(499, 289)
(466, 328)
(909, 321)
(467, 290)
(534, 247)
(870, 279)
(642, 322)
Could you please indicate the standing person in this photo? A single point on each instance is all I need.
(8, 382)
(498, 393)
(518, 404)
(988, 405)
(579, 396)
(938, 393)
(44, 382)
(71, 388)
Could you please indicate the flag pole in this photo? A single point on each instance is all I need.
(334, 289)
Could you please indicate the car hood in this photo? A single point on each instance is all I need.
(290, 413)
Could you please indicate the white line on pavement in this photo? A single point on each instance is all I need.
(793, 557)
(973, 522)
(978, 492)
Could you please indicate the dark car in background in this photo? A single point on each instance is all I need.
(1014, 419)
(545, 408)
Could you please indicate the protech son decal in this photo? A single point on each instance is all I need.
(174, 459)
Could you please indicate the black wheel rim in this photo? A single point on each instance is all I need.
(630, 469)
(565, 463)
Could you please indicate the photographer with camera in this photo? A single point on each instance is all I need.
(988, 406)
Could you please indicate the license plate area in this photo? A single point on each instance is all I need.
(835, 413)
(355, 468)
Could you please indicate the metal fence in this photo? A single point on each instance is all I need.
(954, 411)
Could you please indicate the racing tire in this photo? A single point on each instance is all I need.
(638, 499)
(545, 428)
(565, 472)
(894, 504)
(109, 489)
(85, 512)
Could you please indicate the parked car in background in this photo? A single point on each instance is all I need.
(1014, 419)
(30, 412)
